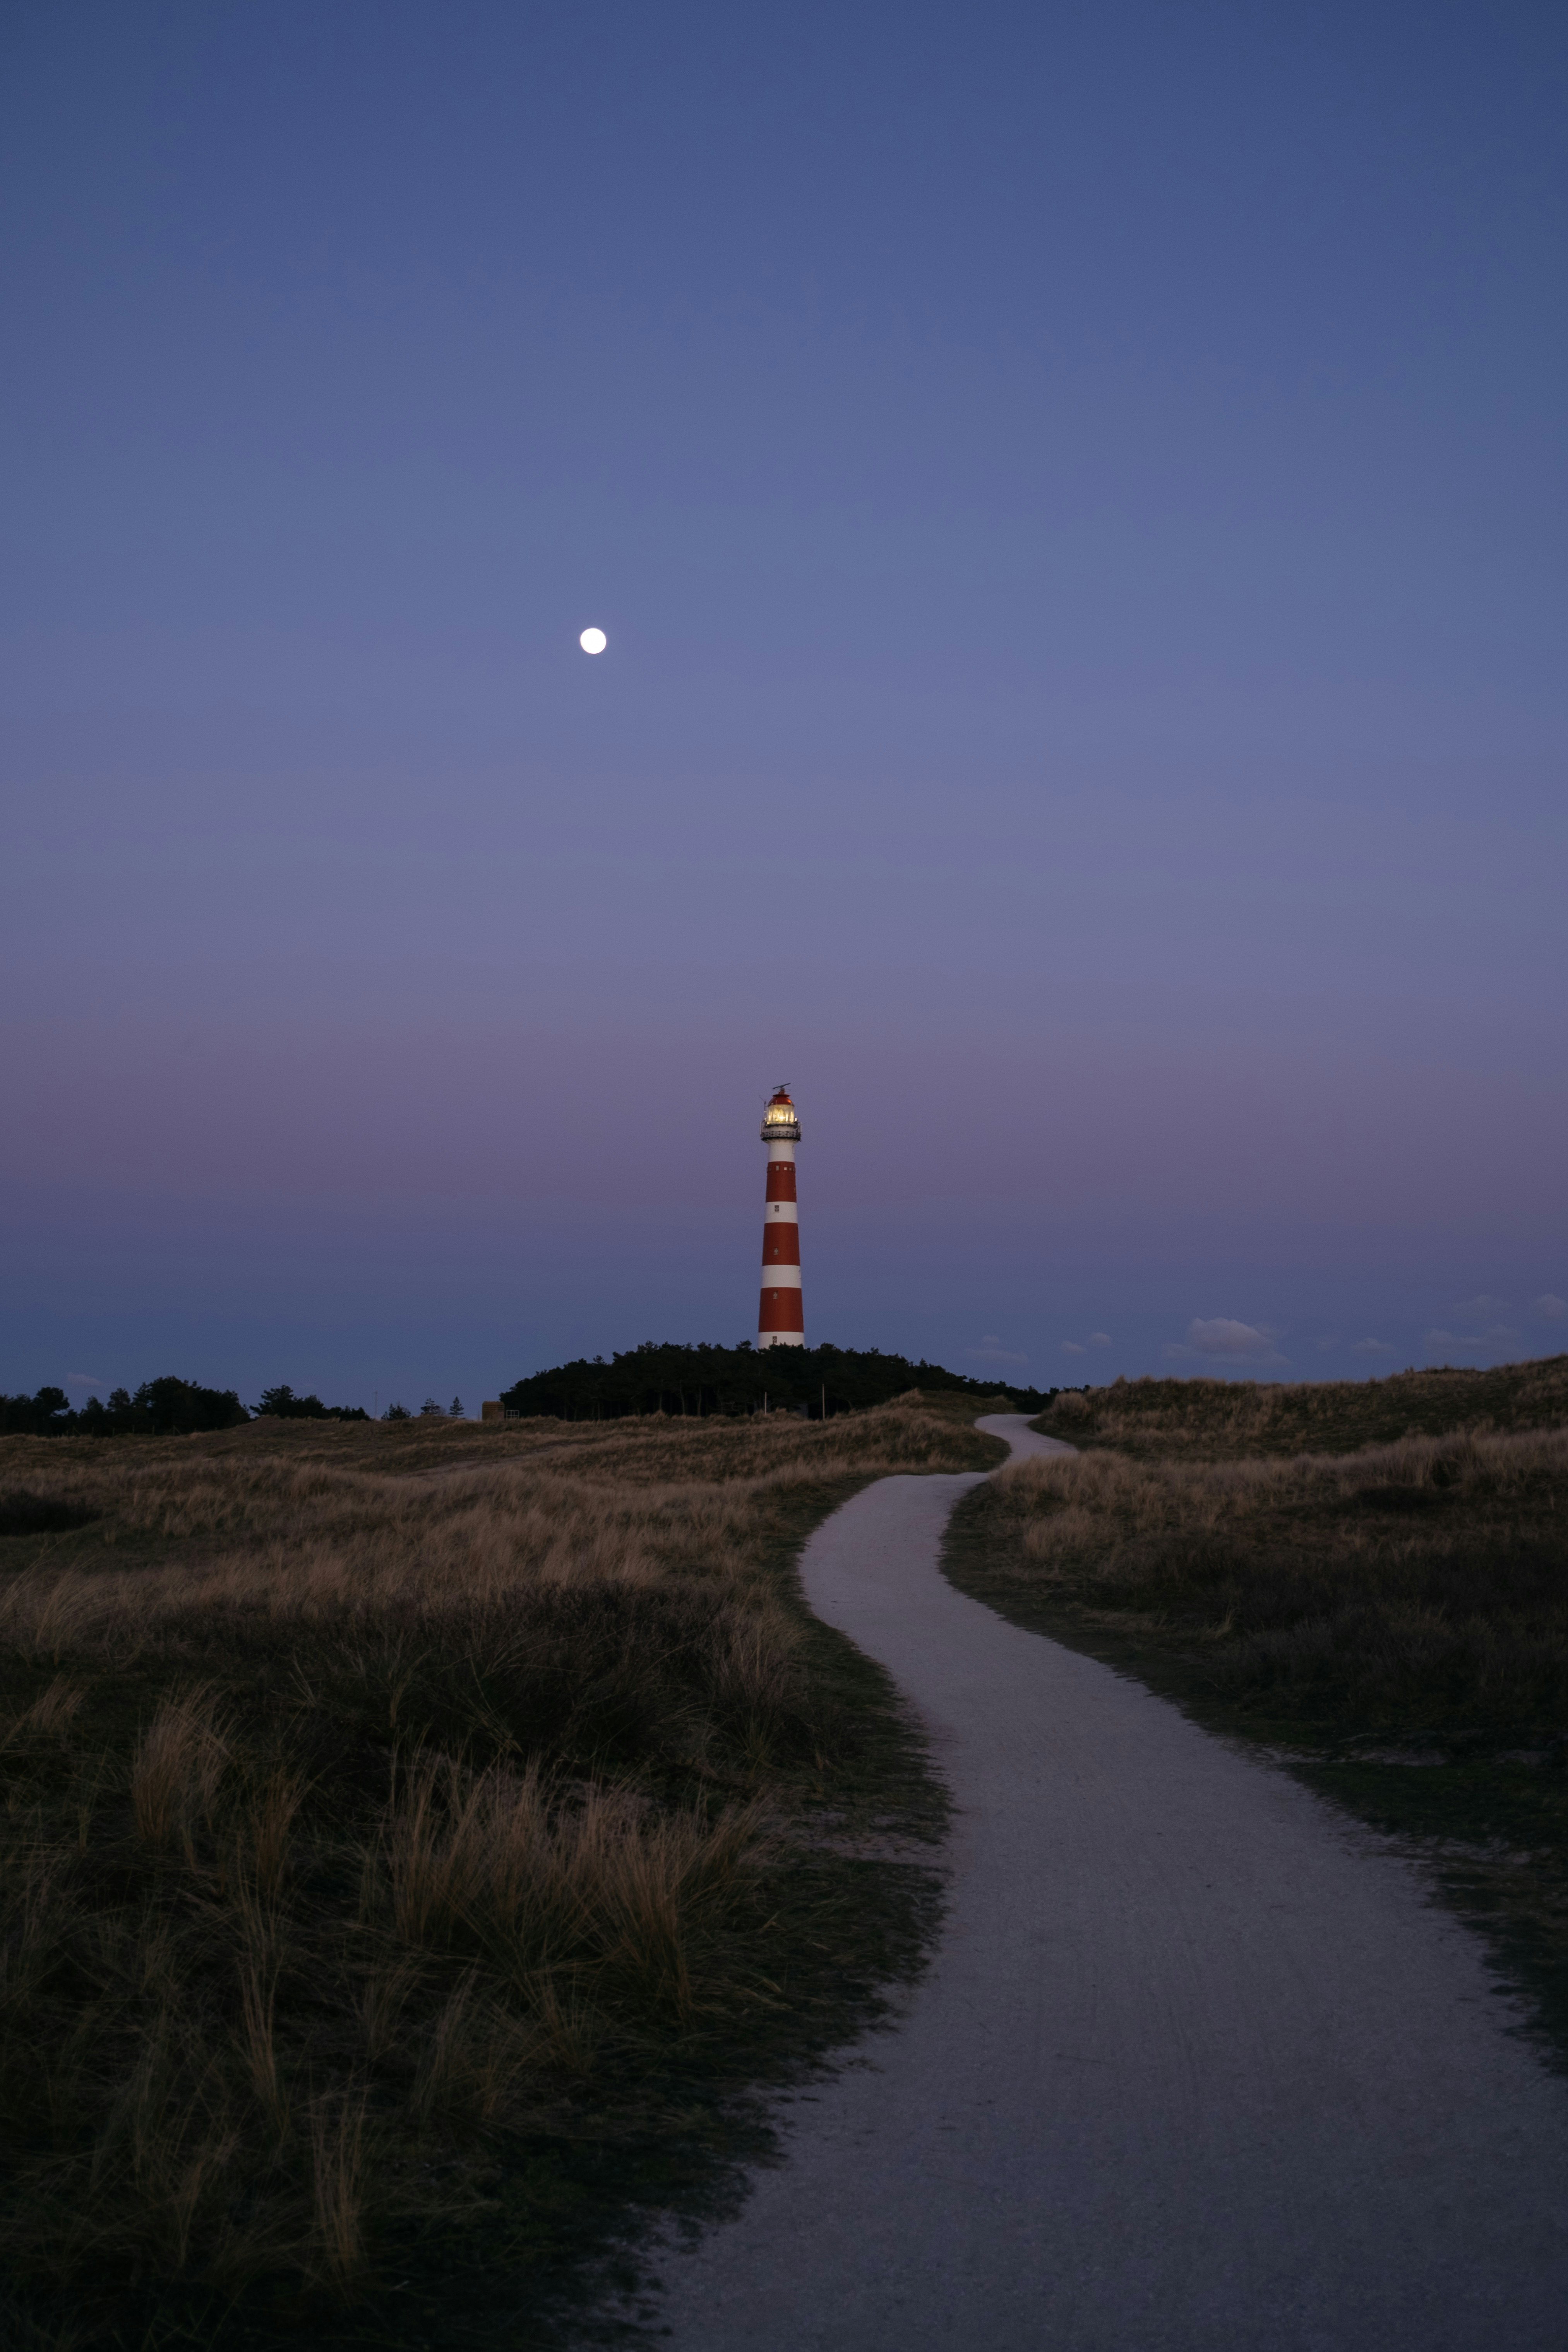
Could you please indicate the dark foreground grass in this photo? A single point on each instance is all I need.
(419, 1853)
(1391, 1621)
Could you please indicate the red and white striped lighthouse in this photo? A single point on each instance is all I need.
(780, 1322)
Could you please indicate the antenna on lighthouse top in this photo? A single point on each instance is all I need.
(780, 1124)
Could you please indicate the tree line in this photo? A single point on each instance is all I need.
(165, 1408)
(158, 1409)
(654, 1378)
(672, 1379)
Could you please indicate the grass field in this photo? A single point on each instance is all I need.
(1219, 1421)
(1370, 1581)
(416, 1840)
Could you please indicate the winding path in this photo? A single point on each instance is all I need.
(1195, 2069)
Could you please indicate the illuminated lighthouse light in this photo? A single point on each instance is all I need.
(780, 1321)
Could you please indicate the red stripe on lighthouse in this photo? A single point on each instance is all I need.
(781, 1179)
(781, 1245)
(781, 1311)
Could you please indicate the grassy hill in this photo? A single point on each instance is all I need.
(1231, 1420)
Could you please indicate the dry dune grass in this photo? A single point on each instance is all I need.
(373, 1795)
(1421, 1582)
(1210, 1420)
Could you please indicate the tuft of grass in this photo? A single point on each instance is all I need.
(340, 2186)
(414, 1843)
(176, 1769)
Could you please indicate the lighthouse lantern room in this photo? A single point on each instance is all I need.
(780, 1321)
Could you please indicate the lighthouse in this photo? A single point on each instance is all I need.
(780, 1322)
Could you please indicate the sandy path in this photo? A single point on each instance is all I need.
(1195, 2068)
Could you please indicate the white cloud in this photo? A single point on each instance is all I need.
(84, 1381)
(1222, 1340)
(1099, 1339)
(1072, 1347)
(1550, 1308)
(1371, 1347)
(992, 1351)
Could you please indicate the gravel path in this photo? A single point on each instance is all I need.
(1196, 2067)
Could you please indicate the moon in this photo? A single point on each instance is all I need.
(593, 641)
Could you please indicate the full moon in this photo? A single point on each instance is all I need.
(593, 641)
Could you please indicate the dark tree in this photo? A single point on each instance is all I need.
(175, 1408)
(284, 1405)
(45, 1414)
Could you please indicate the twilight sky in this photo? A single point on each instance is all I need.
(1077, 496)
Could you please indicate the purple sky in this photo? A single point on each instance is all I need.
(1076, 499)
